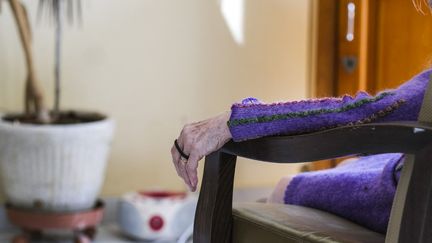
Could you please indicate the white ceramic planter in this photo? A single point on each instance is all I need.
(54, 167)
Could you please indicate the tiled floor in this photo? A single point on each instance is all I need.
(108, 231)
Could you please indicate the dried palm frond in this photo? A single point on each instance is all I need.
(50, 9)
(56, 11)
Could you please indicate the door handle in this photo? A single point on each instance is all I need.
(351, 11)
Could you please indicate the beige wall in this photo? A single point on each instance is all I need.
(154, 65)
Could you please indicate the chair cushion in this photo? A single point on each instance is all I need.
(262, 222)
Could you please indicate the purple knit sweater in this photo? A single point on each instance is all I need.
(361, 191)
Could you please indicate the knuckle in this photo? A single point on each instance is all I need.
(187, 127)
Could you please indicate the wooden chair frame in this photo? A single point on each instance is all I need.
(411, 215)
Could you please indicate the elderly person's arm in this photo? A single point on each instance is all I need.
(253, 119)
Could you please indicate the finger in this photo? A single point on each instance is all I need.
(182, 167)
(191, 170)
(185, 141)
(175, 154)
(178, 165)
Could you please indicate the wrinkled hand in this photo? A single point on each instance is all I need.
(198, 140)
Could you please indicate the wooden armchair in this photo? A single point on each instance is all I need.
(217, 221)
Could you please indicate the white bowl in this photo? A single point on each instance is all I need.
(156, 215)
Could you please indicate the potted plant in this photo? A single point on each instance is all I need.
(51, 160)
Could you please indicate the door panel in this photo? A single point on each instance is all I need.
(404, 42)
(392, 42)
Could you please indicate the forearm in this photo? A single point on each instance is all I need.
(252, 119)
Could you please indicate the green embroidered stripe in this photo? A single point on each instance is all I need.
(301, 114)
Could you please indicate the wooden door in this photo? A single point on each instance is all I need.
(390, 42)
(404, 42)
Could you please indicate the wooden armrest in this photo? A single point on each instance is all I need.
(213, 220)
(373, 138)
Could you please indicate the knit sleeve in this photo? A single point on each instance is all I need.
(253, 119)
